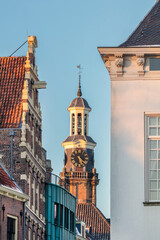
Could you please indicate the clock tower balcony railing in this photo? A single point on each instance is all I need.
(80, 175)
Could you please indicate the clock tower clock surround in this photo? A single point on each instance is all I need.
(78, 168)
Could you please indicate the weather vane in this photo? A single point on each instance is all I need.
(79, 67)
(79, 93)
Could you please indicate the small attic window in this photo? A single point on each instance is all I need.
(154, 64)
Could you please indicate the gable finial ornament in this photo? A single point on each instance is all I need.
(27, 63)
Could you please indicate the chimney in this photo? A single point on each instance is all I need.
(32, 44)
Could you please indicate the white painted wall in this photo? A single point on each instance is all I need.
(131, 96)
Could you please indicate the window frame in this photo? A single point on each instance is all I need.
(152, 65)
(16, 225)
(56, 214)
(147, 149)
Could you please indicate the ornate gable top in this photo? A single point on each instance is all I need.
(148, 31)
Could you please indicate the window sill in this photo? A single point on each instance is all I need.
(151, 203)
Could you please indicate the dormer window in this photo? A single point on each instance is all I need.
(73, 124)
(154, 64)
(79, 124)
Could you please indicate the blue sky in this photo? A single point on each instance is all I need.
(68, 34)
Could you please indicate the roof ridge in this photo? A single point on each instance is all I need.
(97, 210)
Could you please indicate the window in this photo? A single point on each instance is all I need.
(37, 198)
(153, 155)
(73, 124)
(154, 64)
(61, 215)
(29, 190)
(71, 221)
(11, 228)
(78, 225)
(56, 207)
(34, 195)
(66, 222)
(79, 123)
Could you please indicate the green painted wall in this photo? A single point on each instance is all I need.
(61, 201)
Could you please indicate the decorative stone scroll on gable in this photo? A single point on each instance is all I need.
(107, 63)
(140, 64)
(119, 64)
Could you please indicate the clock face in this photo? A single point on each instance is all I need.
(79, 158)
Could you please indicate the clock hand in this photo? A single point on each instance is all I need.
(80, 159)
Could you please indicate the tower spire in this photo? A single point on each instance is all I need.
(79, 93)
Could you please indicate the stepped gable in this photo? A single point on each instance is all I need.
(12, 75)
(77, 137)
(6, 181)
(94, 219)
(148, 31)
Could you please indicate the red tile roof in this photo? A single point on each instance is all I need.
(6, 181)
(12, 75)
(94, 219)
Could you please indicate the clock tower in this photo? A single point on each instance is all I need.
(79, 169)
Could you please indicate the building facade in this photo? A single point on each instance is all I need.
(12, 202)
(79, 171)
(60, 211)
(80, 230)
(134, 69)
(20, 111)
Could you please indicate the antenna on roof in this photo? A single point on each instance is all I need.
(79, 93)
(18, 48)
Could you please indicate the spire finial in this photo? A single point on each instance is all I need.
(79, 93)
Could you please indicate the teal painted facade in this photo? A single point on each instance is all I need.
(60, 209)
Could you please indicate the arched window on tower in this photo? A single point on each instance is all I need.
(85, 124)
(79, 124)
(73, 124)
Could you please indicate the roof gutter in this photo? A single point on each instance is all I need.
(8, 192)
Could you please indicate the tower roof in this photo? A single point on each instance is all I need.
(77, 137)
(79, 102)
(147, 32)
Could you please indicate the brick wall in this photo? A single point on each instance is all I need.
(14, 211)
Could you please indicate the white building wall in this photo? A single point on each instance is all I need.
(135, 90)
(129, 217)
